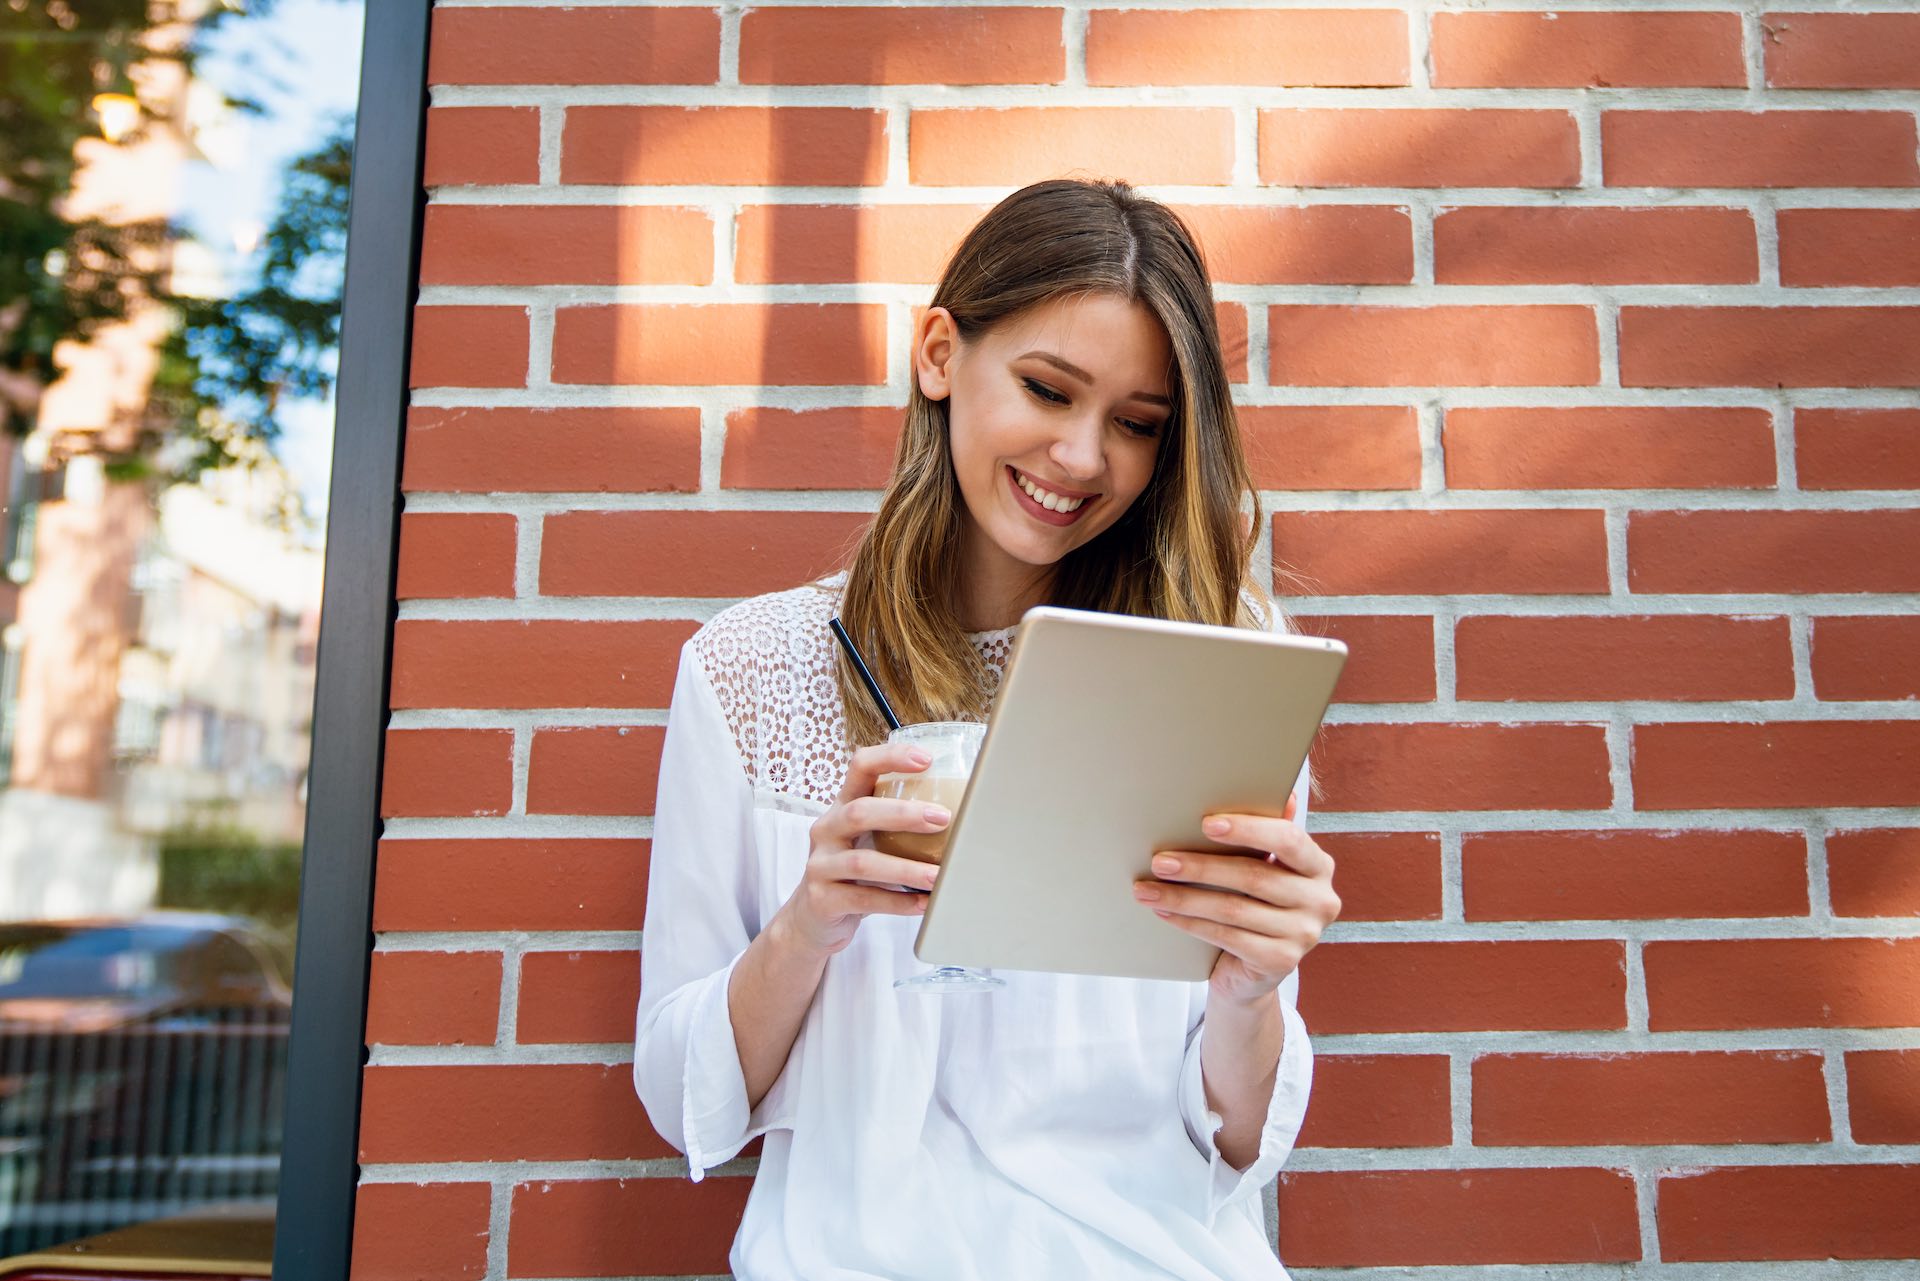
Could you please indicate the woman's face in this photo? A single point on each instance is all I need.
(1055, 416)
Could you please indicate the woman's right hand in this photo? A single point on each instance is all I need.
(829, 903)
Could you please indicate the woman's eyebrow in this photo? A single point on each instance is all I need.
(1067, 367)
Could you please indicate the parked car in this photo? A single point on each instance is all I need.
(142, 1071)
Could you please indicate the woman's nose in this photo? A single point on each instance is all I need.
(1077, 451)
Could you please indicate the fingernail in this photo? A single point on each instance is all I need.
(937, 815)
(916, 756)
(1215, 827)
(1146, 893)
(1162, 915)
(1166, 864)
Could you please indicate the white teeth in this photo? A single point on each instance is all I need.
(1047, 498)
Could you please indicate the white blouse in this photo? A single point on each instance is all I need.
(1053, 1127)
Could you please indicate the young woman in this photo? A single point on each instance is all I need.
(1070, 439)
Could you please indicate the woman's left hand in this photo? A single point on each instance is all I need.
(1265, 914)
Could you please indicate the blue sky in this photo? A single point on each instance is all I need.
(303, 64)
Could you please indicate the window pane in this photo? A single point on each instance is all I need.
(161, 554)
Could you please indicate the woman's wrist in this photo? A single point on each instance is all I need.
(789, 946)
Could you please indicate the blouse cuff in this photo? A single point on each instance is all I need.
(1285, 1114)
(715, 1119)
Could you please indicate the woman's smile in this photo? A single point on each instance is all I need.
(1048, 506)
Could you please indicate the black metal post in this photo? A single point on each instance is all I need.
(319, 1167)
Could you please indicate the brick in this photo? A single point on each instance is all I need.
(1378, 1101)
(566, 244)
(1883, 1095)
(1670, 245)
(1457, 552)
(522, 1112)
(535, 662)
(1782, 983)
(1634, 875)
(1389, 656)
(1857, 448)
(433, 998)
(724, 146)
(1383, 1218)
(1386, 876)
(1874, 872)
(1231, 318)
(544, 883)
(421, 1231)
(1842, 50)
(1299, 244)
(1681, 657)
(625, 1227)
(1557, 986)
(848, 244)
(994, 146)
(455, 554)
(1866, 657)
(851, 448)
(631, 45)
(596, 769)
(1586, 50)
(1393, 767)
(1302, 447)
(1773, 551)
(792, 344)
(1705, 1097)
(1418, 147)
(1333, 345)
(578, 998)
(469, 347)
(1758, 149)
(1770, 346)
(1352, 47)
(1790, 1212)
(481, 146)
(447, 773)
(876, 45)
(1874, 247)
(642, 553)
(1609, 447)
(1776, 764)
(551, 451)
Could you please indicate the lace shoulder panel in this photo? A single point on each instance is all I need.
(773, 663)
(770, 662)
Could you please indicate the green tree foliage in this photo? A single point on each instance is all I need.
(226, 363)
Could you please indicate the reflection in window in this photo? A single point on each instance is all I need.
(167, 425)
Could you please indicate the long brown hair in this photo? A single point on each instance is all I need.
(1178, 552)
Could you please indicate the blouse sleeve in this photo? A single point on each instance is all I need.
(702, 911)
(1228, 1184)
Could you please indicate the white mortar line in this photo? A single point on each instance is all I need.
(528, 529)
(553, 121)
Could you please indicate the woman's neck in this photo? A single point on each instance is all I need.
(996, 589)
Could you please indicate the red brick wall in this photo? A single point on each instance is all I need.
(1579, 356)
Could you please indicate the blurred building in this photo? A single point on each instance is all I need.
(157, 663)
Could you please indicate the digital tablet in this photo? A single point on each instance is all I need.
(1110, 738)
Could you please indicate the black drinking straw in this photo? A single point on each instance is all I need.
(860, 665)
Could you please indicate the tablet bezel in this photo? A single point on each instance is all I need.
(1243, 706)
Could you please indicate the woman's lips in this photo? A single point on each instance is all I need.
(1040, 513)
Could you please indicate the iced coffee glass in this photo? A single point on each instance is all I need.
(953, 746)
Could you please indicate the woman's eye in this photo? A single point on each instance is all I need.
(1044, 392)
(1147, 430)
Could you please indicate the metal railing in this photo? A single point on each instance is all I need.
(99, 1129)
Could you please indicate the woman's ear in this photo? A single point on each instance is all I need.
(935, 342)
